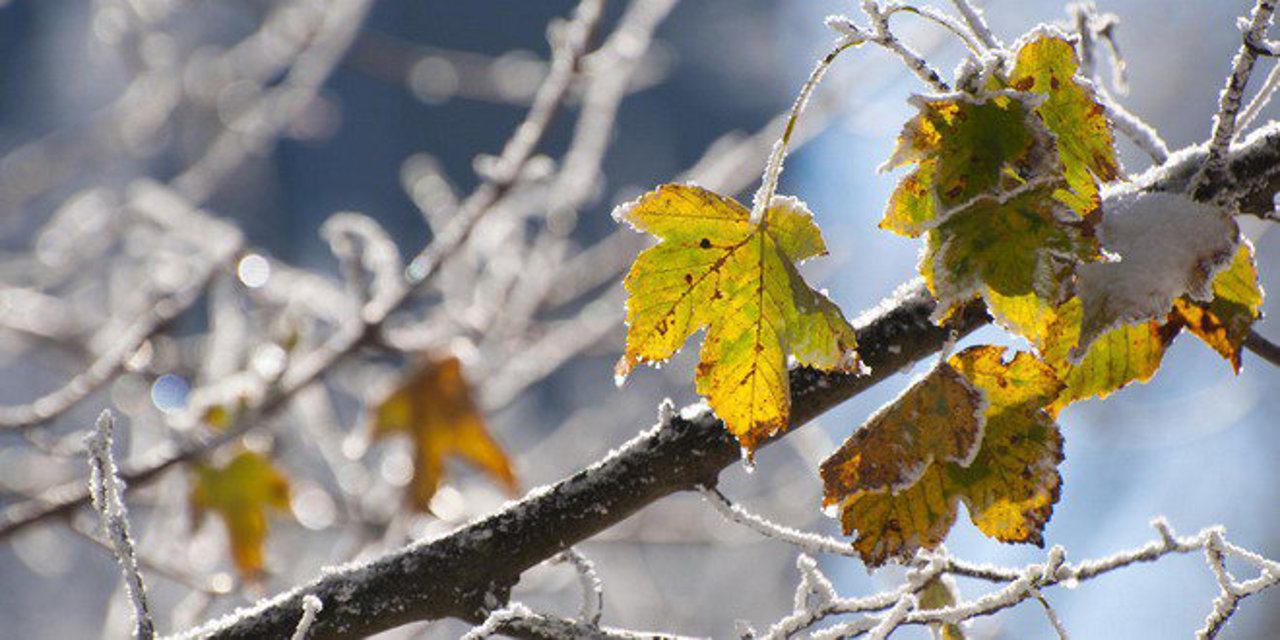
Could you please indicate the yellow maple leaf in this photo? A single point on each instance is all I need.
(241, 492)
(1009, 486)
(714, 269)
(434, 408)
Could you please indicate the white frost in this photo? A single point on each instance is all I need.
(1167, 244)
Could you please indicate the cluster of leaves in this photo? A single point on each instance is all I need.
(1005, 192)
(432, 406)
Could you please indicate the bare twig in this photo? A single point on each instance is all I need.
(1224, 122)
(977, 24)
(105, 487)
(311, 606)
(1263, 348)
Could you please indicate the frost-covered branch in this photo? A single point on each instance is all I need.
(486, 558)
(106, 489)
(884, 612)
(592, 588)
(1224, 122)
(973, 18)
(880, 34)
(311, 607)
(808, 542)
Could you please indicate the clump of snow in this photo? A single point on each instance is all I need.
(1167, 245)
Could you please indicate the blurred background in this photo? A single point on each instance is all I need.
(95, 95)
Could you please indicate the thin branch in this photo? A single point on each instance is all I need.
(1263, 348)
(1224, 122)
(1054, 620)
(311, 606)
(1137, 130)
(592, 588)
(1261, 100)
(105, 487)
(809, 542)
(773, 167)
(977, 24)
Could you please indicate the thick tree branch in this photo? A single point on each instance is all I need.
(450, 576)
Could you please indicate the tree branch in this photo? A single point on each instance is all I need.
(451, 576)
(1263, 348)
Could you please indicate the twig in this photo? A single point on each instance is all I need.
(105, 487)
(592, 588)
(1137, 130)
(311, 606)
(808, 542)
(977, 24)
(1224, 122)
(1051, 614)
(1263, 348)
(1261, 100)
(881, 35)
(773, 167)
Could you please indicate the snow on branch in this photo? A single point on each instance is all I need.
(106, 488)
(884, 612)
(808, 542)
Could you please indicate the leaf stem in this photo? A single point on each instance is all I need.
(773, 168)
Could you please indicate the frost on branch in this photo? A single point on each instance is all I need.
(105, 487)
(1167, 245)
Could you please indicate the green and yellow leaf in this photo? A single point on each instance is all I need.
(241, 492)
(1047, 66)
(938, 419)
(1009, 486)
(714, 269)
(433, 407)
(1009, 248)
(962, 149)
(1123, 355)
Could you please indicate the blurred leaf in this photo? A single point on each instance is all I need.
(1047, 65)
(434, 408)
(241, 492)
(1009, 488)
(714, 269)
